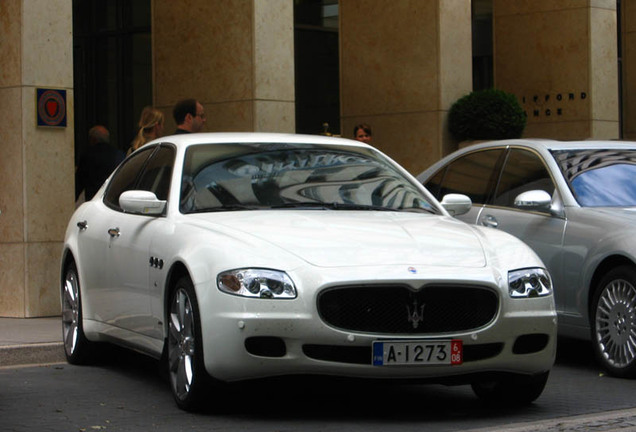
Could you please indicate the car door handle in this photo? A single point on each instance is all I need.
(82, 225)
(490, 221)
(113, 232)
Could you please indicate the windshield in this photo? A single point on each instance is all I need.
(600, 178)
(251, 176)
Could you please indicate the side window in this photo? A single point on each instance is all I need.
(434, 184)
(524, 171)
(125, 178)
(158, 172)
(472, 175)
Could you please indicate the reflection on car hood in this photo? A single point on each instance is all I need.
(346, 238)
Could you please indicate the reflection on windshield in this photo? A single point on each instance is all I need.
(600, 178)
(611, 186)
(265, 176)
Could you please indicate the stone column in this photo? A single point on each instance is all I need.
(37, 164)
(403, 64)
(236, 57)
(560, 58)
(629, 69)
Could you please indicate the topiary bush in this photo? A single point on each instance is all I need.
(486, 114)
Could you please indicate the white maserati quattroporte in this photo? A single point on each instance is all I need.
(240, 256)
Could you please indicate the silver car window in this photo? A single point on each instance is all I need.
(600, 178)
(523, 171)
(472, 175)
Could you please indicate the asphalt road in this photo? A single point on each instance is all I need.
(128, 392)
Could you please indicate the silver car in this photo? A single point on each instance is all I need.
(574, 203)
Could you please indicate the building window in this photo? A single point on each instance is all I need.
(112, 67)
(317, 63)
(483, 76)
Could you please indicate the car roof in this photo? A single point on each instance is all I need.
(254, 137)
(548, 144)
(541, 145)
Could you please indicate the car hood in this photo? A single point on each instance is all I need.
(628, 214)
(612, 218)
(350, 238)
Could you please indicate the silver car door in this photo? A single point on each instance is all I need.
(543, 231)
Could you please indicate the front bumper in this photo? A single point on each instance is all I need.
(255, 338)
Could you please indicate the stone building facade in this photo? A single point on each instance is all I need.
(403, 63)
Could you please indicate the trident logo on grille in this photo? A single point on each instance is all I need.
(415, 315)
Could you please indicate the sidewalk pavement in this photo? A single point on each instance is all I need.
(29, 341)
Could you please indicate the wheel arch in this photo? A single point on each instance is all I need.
(177, 271)
(601, 270)
(67, 258)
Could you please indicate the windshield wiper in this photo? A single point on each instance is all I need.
(353, 206)
(301, 205)
(331, 206)
(228, 207)
(350, 206)
(308, 205)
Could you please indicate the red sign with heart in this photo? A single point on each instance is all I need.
(51, 107)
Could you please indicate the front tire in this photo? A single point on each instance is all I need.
(513, 390)
(188, 378)
(613, 323)
(77, 348)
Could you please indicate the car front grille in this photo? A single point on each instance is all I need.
(397, 309)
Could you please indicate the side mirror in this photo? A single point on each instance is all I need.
(141, 202)
(456, 204)
(537, 200)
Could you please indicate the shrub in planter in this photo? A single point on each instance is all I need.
(486, 114)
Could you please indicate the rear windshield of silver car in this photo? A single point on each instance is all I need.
(600, 178)
(255, 176)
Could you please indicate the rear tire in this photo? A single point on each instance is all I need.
(77, 348)
(188, 377)
(513, 390)
(613, 322)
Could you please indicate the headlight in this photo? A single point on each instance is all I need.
(532, 282)
(259, 283)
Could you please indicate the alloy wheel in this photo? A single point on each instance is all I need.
(70, 312)
(181, 339)
(615, 324)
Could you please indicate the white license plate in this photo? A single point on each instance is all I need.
(423, 352)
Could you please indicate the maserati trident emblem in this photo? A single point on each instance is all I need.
(415, 315)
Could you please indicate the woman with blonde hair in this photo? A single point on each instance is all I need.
(150, 127)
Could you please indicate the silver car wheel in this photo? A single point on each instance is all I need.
(615, 323)
(76, 347)
(182, 344)
(70, 312)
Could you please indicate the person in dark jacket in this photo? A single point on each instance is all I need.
(96, 164)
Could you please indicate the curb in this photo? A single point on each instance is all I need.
(609, 421)
(32, 354)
